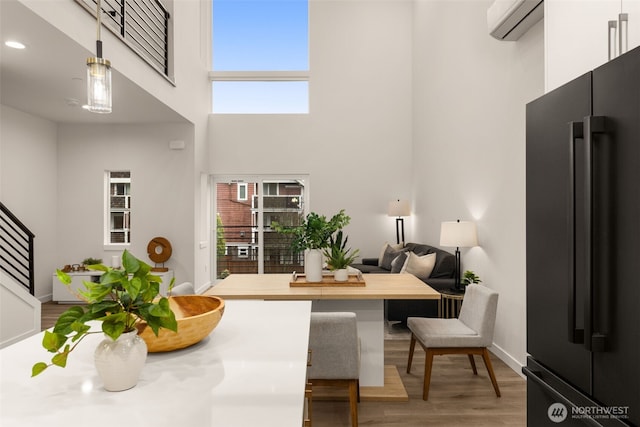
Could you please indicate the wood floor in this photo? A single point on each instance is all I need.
(456, 396)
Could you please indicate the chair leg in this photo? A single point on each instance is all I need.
(353, 402)
(487, 362)
(428, 364)
(412, 347)
(473, 364)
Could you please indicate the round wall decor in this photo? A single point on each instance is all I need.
(159, 251)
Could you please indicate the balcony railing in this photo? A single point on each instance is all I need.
(142, 24)
(238, 252)
(279, 203)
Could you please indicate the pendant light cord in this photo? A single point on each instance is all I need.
(98, 41)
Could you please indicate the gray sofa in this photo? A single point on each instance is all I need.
(441, 278)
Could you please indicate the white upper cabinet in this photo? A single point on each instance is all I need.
(576, 35)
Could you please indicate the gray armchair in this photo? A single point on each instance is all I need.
(469, 334)
(335, 355)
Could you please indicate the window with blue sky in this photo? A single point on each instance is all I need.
(260, 56)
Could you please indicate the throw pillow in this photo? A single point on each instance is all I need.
(420, 266)
(386, 245)
(398, 262)
(389, 255)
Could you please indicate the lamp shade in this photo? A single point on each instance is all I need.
(98, 85)
(399, 208)
(461, 234)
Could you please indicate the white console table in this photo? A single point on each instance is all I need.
(63, 295)
(250, 371)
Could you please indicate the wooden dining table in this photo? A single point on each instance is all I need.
(366, 301)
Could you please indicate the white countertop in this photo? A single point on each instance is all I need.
(249, 372)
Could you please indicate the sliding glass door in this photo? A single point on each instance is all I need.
(245, 207)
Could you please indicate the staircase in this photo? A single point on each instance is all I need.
(16, 251)
(20, 309)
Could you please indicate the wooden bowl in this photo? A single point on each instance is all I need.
(197, 316)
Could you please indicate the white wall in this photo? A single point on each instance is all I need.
(356, 142)
(161, 192)
(28, 170)
(470, 92)
(576, 35)
(190, 97)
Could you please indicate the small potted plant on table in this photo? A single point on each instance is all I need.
(339, 257)
(470, 277)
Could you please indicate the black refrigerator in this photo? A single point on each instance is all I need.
(583, 250)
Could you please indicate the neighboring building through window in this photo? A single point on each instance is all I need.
(118, 212)
(260, 56)
(245, 241)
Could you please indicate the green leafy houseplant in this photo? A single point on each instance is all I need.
(119, 301)
(337, 254)
(470, 277)
(315, 230)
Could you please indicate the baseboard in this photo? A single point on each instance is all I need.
(45, 298)
(507, 359)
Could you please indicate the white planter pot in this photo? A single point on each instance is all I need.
(341, 275)
(313, 265)
(120, 362)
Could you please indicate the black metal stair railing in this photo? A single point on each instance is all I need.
(142, 24)
(16, 249)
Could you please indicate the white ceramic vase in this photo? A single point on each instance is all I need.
(341, 275)
(313, 265)
(120, 362)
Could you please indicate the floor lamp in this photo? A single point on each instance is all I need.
(461, 234)
(399, 208)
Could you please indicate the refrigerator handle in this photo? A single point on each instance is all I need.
(576, 131)
(595, 341)
(536, 377)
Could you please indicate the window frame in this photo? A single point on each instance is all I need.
(245, 186)
(257, 179)
(107, 229)
(265, 75)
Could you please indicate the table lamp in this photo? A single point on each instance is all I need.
(399, 208)
(461, 234)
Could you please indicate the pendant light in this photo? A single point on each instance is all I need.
(98, 76)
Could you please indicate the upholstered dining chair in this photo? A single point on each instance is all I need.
(335, 354)
(185, 288)
(471, 333)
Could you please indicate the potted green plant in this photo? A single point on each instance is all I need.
(313, 235)
(339, 257)
(470, 277)
(90, 261)
(121, 299)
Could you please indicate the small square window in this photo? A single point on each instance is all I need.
(118, 207)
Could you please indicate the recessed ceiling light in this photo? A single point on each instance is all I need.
(14, 44)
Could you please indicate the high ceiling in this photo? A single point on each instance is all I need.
(47, 79)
